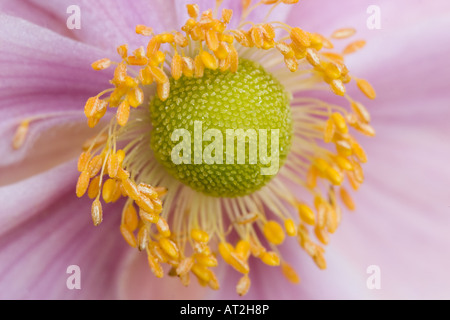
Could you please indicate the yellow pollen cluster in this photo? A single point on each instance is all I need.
(105, 175)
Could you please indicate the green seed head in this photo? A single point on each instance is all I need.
(247, 104)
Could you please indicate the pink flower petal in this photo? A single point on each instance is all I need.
(46, 230)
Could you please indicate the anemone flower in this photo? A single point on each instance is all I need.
(148, 215)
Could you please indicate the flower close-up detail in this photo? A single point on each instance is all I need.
(222, 149)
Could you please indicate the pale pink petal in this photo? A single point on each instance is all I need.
(47, 229)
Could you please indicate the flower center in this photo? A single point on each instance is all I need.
(224, 134)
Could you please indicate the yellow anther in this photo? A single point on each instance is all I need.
(145, 76)
(332, 220)
(311, 177)
(209, 60)
(144, 30)
(289, 226)
(344, 148)
(291, 64)
(285, 49)
(129, 187)
(226, 15)
(154, 265)
(289, 273)
(270, 258)
(322, 235)
(243, 285)
(206, 260)
(300, 37)
(359, 152)
(329, 130)
(225, 250)
(343, 33)
(185, 266)
(108, 190)
(96, 212)
(94, 166)
(366, 129)
(289, 1)
(166, 38)
(177, 66)
(320, 261)
(180, 39)
(201, 272)
(188, 66)
(332, 70)
(130, 217)
(268, 31)
(354, 46)
(91, 107)
(199, 235)
(156, 250)
(321, 165)
(83, 183)
(257, 36)
(352, 179)
(222, 51)
(83, 161)
(242, 37)
(123, 113)
(243, 249)
(143, 237)
(135, 97)
(135, 61)
(347, 199)
(212, 41)
(234, 59)
(94, 188)
(317, 41)
(158, 74)
(169, 247)
(333, 56)
(145, 203)
(306, 214)
(358, 171)
(123, 50)
(343, 163)
(339, 121)
(163, 227)
(366, 88)
(153, 47)
(338, 88)
(112, 165)
(239, 263)
(273, 232)
(334, 176)
(193, 10)
(101, 64)
(147, 190)
(128, 235)
(312, 57)
(361, 111)
(157, 59)
(163, 90)
(120, 73)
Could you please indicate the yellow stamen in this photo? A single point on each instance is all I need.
(243, 285)
(289, 273)
(96, 212)
(273, 232)
(366, 88)
(306, 214)
(289, 225)
(343, 33)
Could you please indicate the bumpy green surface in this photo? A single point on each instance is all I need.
(248, 99)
